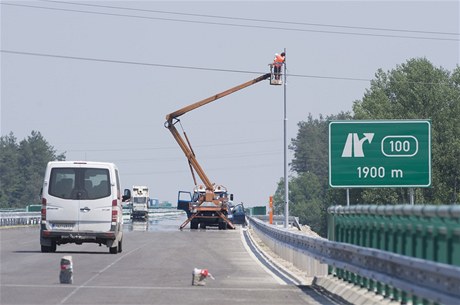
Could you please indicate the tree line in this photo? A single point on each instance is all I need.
(22, 168)
(415, 89)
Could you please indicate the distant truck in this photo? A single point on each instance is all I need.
(140, 199)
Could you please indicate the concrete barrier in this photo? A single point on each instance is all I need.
(302, 260)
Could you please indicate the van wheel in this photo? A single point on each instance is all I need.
(113, 250)
(48, 249)
(120, 248)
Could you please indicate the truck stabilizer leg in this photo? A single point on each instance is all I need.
(187, 221)
(230, 224)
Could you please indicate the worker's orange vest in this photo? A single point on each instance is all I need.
(278, 60)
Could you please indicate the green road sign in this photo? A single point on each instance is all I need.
(380, 153)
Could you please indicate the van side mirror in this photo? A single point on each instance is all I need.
(126, 195)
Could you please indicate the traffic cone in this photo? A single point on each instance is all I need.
(199, 276)
(66, 274)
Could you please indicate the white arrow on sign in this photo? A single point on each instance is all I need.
(354, 146)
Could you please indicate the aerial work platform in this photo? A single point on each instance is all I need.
(276, 78)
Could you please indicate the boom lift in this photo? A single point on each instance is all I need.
(211, 202)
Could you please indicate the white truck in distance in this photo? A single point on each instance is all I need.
(140, 199)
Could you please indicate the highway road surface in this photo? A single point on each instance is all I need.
(155, 267)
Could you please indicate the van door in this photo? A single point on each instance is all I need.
(61, 210)
(95, 202)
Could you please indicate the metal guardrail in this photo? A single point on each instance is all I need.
(12, 210)
(405, 209)
(19, 218)
(280, 219)
(423, 231)
(429, 280)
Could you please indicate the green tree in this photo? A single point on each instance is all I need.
(413, 90)
(22, 167)
(306, 196)
(34, 153)
(9, 178)
(311, 145)
(306, 201)
(278, 198)
(308, 187)
(418, 90)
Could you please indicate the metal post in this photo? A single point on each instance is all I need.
(411, 194)
(270, 211)
(286, 184)
(348, 197)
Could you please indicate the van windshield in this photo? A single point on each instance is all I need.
(140, 200)
(79, 183)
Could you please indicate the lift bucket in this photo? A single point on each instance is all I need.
(276, 77)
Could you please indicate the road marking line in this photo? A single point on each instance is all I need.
(279, 275)
(286, 288)
(98, 273)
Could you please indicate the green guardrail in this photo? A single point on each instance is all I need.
(34, 208)
(422, 231)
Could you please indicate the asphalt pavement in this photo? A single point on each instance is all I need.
(155, 267)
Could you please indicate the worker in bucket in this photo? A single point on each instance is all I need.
(278, 62)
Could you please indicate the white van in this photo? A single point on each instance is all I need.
(82, 203)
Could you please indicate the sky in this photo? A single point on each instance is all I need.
(97, 78)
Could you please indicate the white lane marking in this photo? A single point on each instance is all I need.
(286, 288)
(84, 285)
(243, 240)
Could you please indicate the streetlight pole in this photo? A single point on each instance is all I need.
(286, 184)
